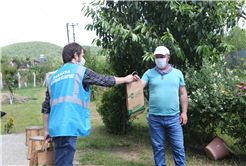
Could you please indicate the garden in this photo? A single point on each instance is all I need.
(204, 42)
(101, 147)
(216, 107)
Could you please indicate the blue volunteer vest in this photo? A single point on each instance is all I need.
(70, 102)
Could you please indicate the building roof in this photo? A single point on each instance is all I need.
(34, 60)
(41, 60)
(23, 67)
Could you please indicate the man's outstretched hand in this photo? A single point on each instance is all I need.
(130, 78)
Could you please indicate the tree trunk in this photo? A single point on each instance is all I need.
(10, 98)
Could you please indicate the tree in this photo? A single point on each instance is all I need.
(95, 62)
(41, 69)
(20, 61)
(238, 36)
(10, 79)
(188, 28)
(5, 59)
(99, 65)
(129, 31)
(32, 50)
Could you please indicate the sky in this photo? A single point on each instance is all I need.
(44, 20)
(36, 20)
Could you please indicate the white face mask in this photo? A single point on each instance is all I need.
(82, 62)
(161, 62)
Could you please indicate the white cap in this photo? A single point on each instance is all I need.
(162, 50)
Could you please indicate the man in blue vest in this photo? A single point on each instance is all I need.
(66, 109)
(166, 85)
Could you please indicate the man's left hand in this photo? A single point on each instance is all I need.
(183, 118)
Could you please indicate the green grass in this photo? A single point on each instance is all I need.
(102, 148)
(26, 113)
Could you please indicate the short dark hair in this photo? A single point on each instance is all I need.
(69, 51)
(85, 52)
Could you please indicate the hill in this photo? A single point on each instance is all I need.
(34, 49)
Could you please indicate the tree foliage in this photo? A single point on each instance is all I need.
(9, 78)
(129, 31)
(98, 64)
(22, 53)
(188, 28)
(20, 61)
(32, 50)
(238, 36)
(5, 59)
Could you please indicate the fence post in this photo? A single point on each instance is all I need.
(7, 125)
(34, 79)
(18, 75)
(1, 80)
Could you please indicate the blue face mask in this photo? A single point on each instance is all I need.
(82, 62)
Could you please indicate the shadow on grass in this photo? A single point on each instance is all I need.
(133, 148)
(103, 148)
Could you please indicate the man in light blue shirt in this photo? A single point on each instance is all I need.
(166, 85)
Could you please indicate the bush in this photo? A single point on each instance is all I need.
(113, 111)
(235, 124)
(10, 125)
(95, 91)
(207, 98)
(216, 100)
(239, 148)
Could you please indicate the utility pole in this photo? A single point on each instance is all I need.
(67, 33)
(73, 30)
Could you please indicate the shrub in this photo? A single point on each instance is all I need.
(95, 91)
(239, 148)
(10, 125)
(235, 124)
(113, 111)
(207, 106)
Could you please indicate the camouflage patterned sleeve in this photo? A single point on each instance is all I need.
(92, 77)
(46, 103)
